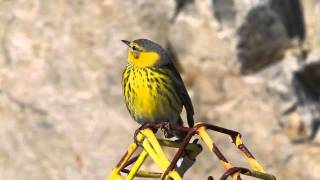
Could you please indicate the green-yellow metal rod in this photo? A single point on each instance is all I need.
(262, 175)
(146, 174)
(192, 149)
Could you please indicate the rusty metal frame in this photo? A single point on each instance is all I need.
(200, 129)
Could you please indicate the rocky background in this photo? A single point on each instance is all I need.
(249, 65)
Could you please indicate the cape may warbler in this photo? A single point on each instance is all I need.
(152, 87)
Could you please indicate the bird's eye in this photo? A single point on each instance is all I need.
(134, 48)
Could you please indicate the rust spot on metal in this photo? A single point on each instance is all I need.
(185, 141)
(125, 171)
(122, 159)
(129, 162)
(245, 150)
(218, 153)
(191, 132)
(220, 129)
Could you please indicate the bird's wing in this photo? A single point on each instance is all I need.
(182, 93)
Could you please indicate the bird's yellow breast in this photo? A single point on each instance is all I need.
(146, 95)
(149, 96)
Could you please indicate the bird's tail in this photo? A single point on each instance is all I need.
(180, 134)
(190, 120)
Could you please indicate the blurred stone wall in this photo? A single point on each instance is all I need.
(62, 114)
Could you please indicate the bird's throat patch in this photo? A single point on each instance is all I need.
(143, 59)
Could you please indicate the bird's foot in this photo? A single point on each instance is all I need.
(166, 128)
(153, 127)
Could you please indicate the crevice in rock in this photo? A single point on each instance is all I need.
(23, 105)
(4, 42)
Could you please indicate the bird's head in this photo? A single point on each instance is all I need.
(146, 53)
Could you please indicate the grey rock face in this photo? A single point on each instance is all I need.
(225, 13)
(268, 25)
(306, 88)
(261, 41)
(291, 15)
(179, 6)
(297, 102)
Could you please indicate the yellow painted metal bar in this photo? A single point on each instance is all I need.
(154, 143)
(174, 175)
(162, 163)
(205, 137)
(115, 174)
(132, 148)
(159, 157)
(137, 165)
(209, 142)
(253, 163)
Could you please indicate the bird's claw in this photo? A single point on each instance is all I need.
(143, 126)
(166, 128)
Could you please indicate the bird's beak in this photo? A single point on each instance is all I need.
(126, 42)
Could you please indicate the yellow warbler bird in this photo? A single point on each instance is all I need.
(152, 87)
